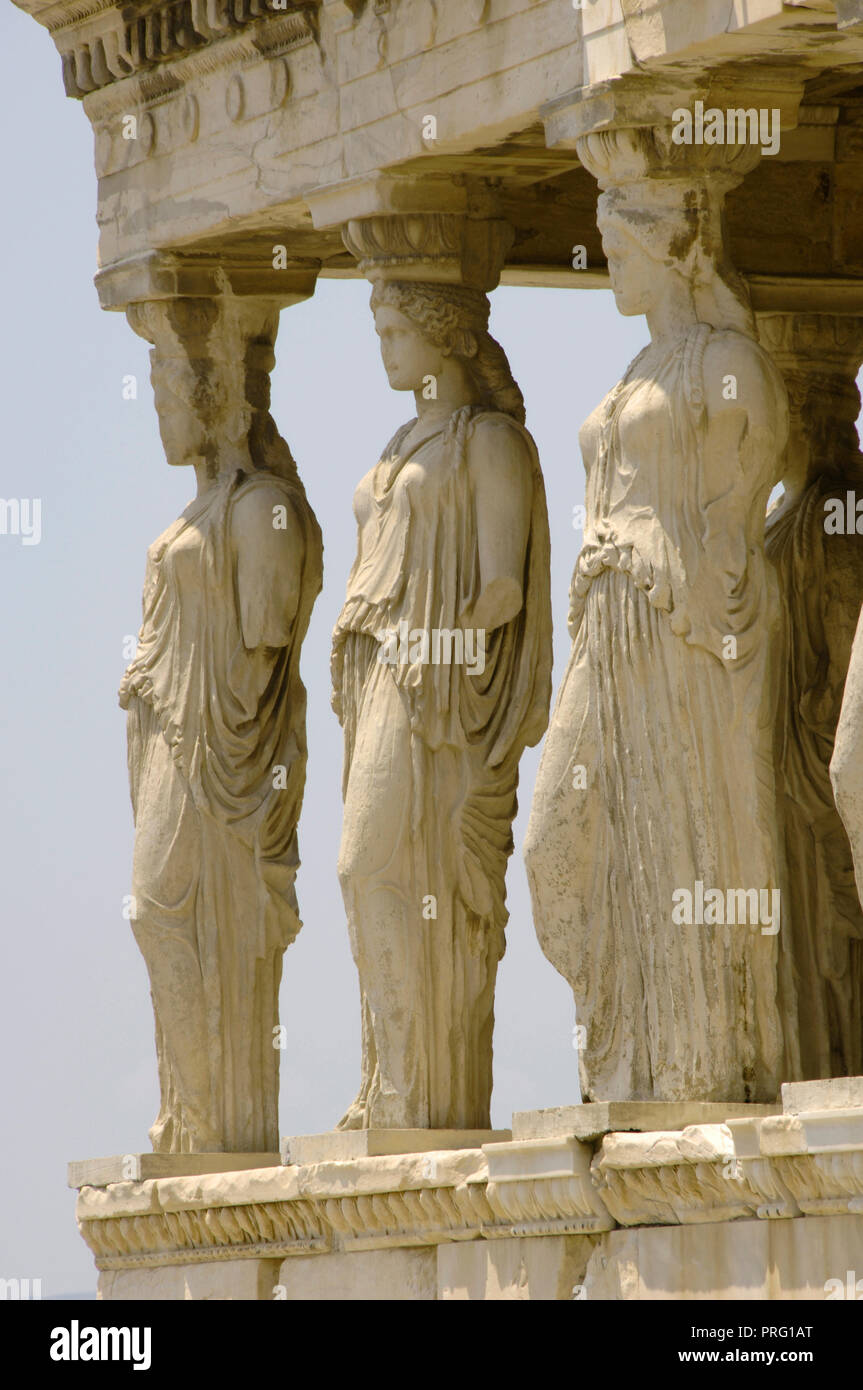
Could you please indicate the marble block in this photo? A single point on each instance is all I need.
(591, 1121)
(101, 1172)
(378, 1143)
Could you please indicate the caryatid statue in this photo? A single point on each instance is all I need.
(216, 726)
(652, 850)
(846, 765)
(813, 543)
(441, 672)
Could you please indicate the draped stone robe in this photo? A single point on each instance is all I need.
(209, 722)
(431, 769)
(821, 580)
(657, 771)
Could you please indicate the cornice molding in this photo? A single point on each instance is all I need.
(101, 43)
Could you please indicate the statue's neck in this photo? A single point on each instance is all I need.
(211, 471)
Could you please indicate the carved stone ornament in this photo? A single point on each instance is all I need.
(135, 39)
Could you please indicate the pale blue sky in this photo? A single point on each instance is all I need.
(77, 1032)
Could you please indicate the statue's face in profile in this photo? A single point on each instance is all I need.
(181, 425)
(635, 275)
(408, 357)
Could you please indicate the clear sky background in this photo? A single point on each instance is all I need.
(76, 1028)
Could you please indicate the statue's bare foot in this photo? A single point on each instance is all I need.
(355, 1116)
(387, 1110)
(161, 1135)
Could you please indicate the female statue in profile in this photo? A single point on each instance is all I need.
(656, 779)
(452, 538)
(216, 727)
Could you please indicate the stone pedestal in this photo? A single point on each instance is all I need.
(304, 1149)
(102, 1172)
(750, 1206)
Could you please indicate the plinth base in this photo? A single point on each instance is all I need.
(377, 1143)
(760, 1206)
(595, 1118)
(101, 1172)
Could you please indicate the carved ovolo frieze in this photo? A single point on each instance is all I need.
(688, 1177)
(824, 1184)
(521, 1189)
(165, 32)
(544, 1187)
(553, 1207)
(425, 1216)
(257, 1230)
(675, 1195)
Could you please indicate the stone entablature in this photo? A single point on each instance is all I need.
(243, 110)
(113, 44)
(438, 146)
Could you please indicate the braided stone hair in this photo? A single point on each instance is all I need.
(455, 319)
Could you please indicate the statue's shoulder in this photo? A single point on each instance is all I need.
(730, 346)
(262, 484)
(494, 430)
(263, 505)
(735, 369)
(501, 458)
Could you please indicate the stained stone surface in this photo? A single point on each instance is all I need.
(706, 744)
(590, 1121)
(101, 1172)
(452, 538)
(746, 1261)
(375, 1143)
(840, 1093)
(673, 618)
(216, 726)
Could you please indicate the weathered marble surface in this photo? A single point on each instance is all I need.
(223, 132)
(819, 564)
(657, 772)
(216, 727)
(452, 539)
(686, 1214)
(846, 765)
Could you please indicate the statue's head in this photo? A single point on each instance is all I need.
(660, 215)
(409, 355)
(210, 369)
(666, 236)
(423, 326)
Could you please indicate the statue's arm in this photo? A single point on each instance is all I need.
(846, 765)
(502, 482)
(747, 417)
(268, 549)
(742, 433)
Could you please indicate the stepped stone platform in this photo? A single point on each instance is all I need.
(754, 1206)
